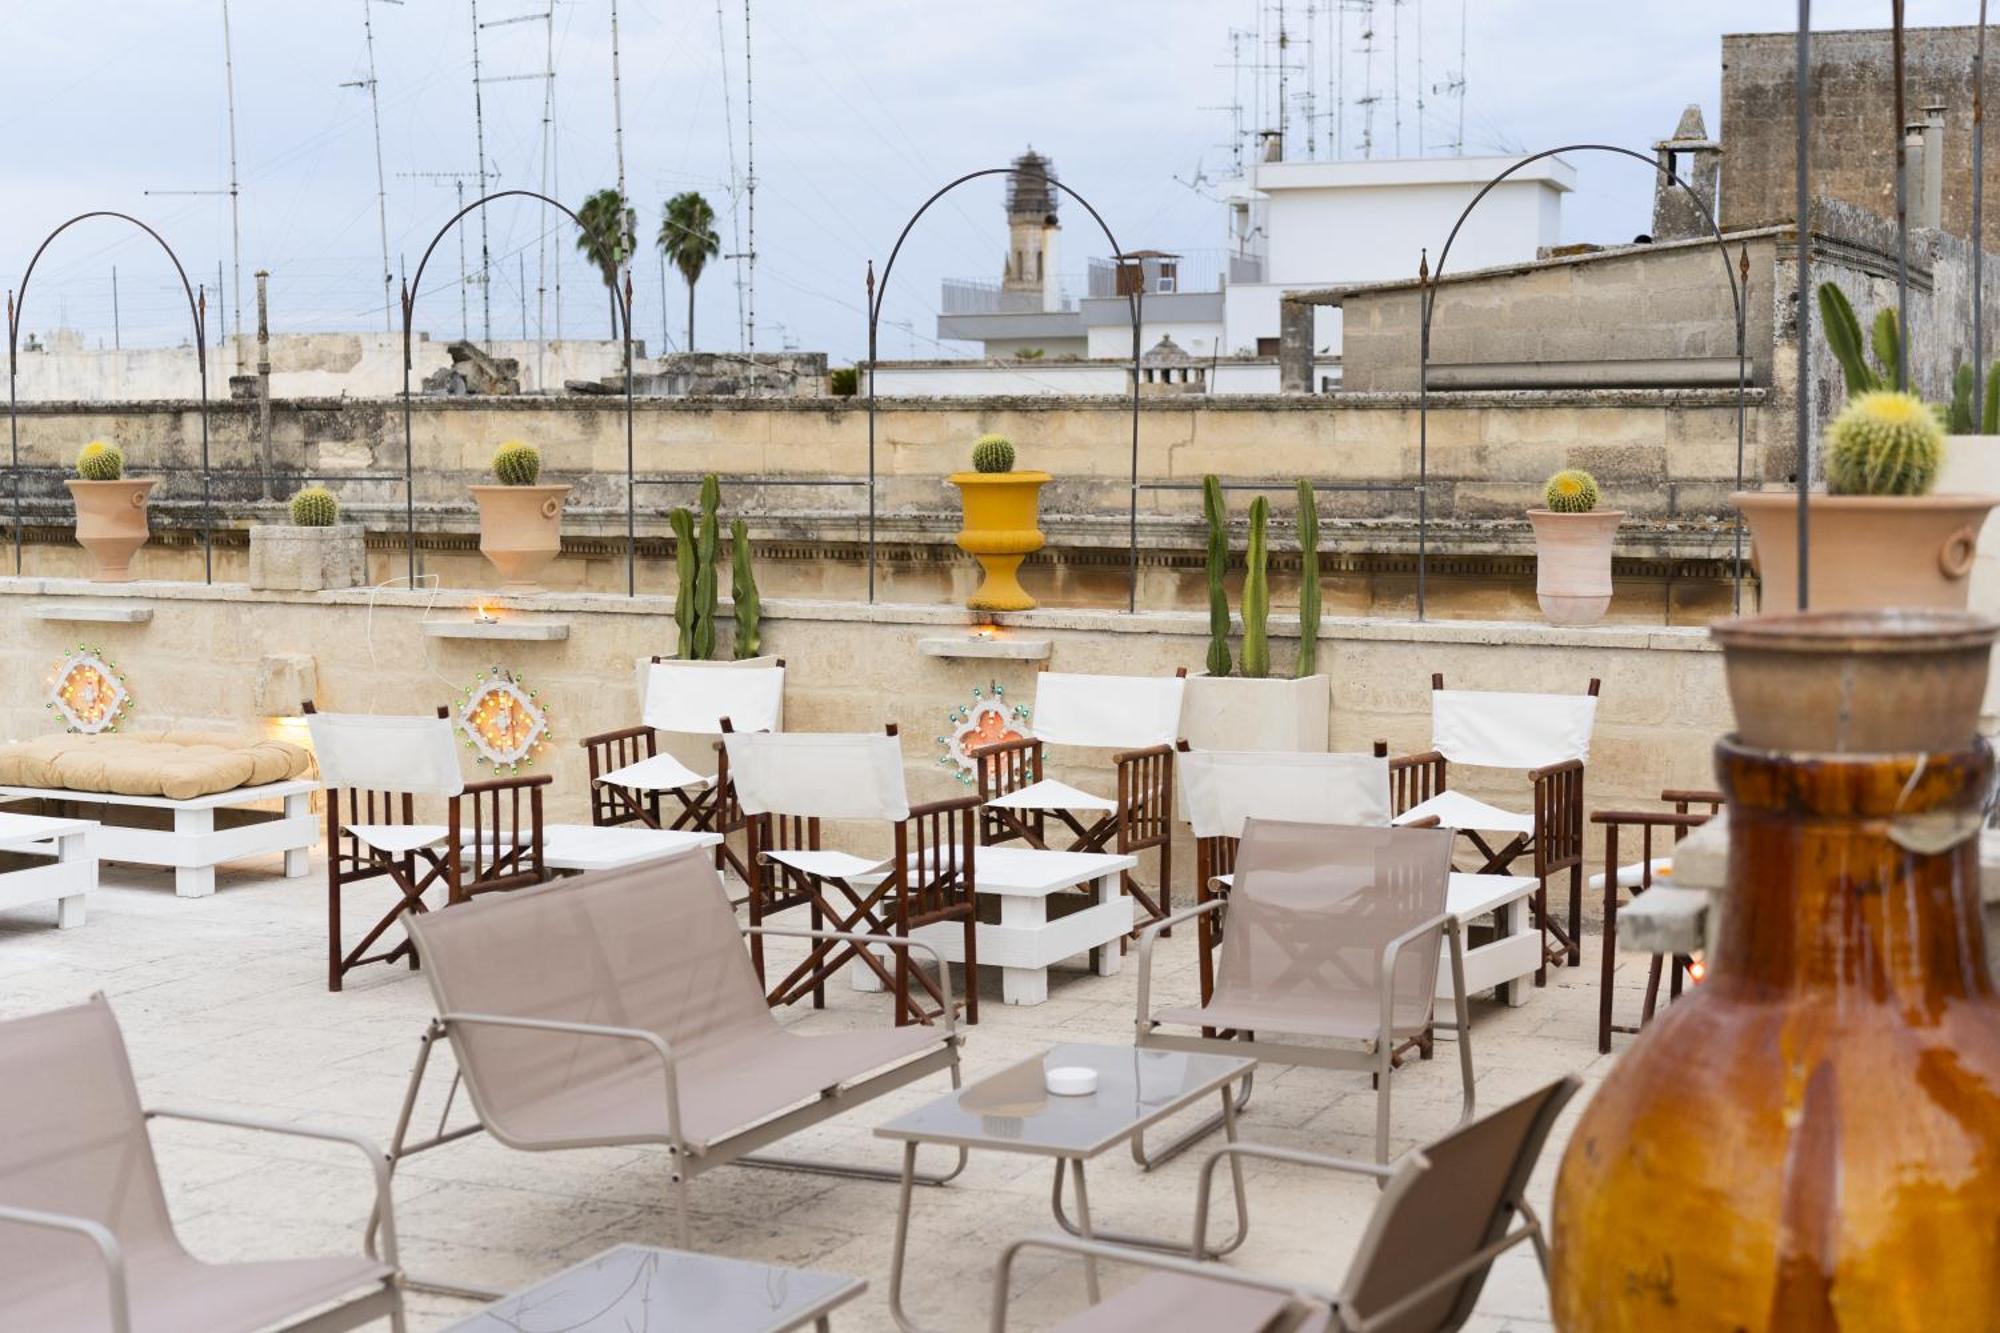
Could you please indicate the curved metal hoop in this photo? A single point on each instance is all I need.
(1430, 281)
(623, 299)
(880, 291)
(196, 312)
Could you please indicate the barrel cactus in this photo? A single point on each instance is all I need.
(517, 464)
(993, 453)
(315, 507)
(100, 462)
(1883, 443)
(1571, 491)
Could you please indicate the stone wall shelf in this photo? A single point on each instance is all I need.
(92, 613)
(529, 631)
(988, 647)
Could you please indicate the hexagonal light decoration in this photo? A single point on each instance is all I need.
(987, 720)
(503, 721)
(87, 693)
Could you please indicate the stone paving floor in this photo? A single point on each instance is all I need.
(224, 1006)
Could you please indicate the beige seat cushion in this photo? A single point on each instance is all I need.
(178, 765)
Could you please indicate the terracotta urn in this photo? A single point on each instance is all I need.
(111, 523)
(1867, 551)
(1573, 563)
(520, 531)
(1002, 528)
(1810, 1141)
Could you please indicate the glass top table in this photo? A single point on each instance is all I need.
(640, 1289)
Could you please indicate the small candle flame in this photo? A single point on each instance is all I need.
(483, 615)
(1697, 971)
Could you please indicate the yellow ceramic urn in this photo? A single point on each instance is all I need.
(1001, 530)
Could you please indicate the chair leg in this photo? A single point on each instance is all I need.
(1384, 1072)
(397, 1322)
(1576, 913)
(333, 970)
(1542, 926)
(677, 1186)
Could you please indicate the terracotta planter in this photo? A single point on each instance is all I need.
(1573, 563)
(1972, 467)
(1868, 551)
(111, 523)
(1002, 528)
(520, 531)
(1810, 1142)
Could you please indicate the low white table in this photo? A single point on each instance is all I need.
(1026, 942)
(1512, 955)
(65, 879)
(575, 848)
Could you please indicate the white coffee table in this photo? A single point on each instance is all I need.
(65, 879)
(574, 848)
(1502, 963)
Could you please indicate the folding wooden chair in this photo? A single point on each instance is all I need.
(1652, 827)
(787, 783)
(374, 769)
(1136, 716)
(1546, 736)
(630, 779)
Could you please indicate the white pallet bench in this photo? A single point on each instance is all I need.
(65, 878)
(194, 846)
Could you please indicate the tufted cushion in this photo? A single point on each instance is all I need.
(178, 765)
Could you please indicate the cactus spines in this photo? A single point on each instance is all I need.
(992, 453)
(1571, 491)
(1217, 514)
(1308, 580)
(1883, 443)
(685, 561)
(1257, 595)
(517, 464)
(315, 507)
(743, 592)
(707, 538)
(100, 462)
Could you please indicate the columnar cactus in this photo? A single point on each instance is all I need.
(707, 539)
(992, 453)
(1571, 491)
(517, 464)
(1883, 443)
(315, 507)
(743, 592)
(1257, 595)
(100, 462)
(1217, 514)
(685, 564)
(1308, 579)
(697, 554)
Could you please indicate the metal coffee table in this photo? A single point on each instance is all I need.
(1012, 1111)
(635, 1288)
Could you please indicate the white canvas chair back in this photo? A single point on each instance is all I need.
(1108, 712)
(694, 697)
(819, 774)
(1224, 788)
(1495, 729)
(401, 754)
(1312, 910)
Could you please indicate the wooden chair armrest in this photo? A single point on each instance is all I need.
(1676, 795)
(968, 802)
(522, 780)
(1397, 761)
(1539, 775)
(1001, 747)
(1124, 757)
(622, 734)
(1657, 818)
(1428, 821)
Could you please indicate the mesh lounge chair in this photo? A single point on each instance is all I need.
(86, 1241)
(1137, 716)
(1447, 1211)
(1547, 736)
(787, 784)
(620, 1008)
(1333, 934)
(491, 838)
(629, 777)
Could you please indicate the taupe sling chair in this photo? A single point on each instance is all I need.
(1446, 1212)
(86, 1241)
(620, 1007)
(1334, 934)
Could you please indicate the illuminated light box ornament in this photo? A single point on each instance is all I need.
(87, 693)
(503, 721)
(988, 720)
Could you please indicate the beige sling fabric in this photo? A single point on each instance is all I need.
(175, 765)
(74, 1142)
(1183, 1303)
(653, 947)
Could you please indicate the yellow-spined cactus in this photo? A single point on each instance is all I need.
(1571, 491)
(517, 464)
(100, 462)
(1883, 443)
(315, 507)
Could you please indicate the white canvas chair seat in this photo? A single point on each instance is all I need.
(1455, 810)
(1346, 1018)
(661, 772)
(398, 839)
(826, 864)
(1184, 1303)
(1048, 794)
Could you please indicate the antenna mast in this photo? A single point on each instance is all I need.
(1311, 106)
(1420, 78)
(235, 208)
(381, 185)
(750, 195)
(1396, 70)
(617, 111)
(1368, 99)
(479, 139)
(735, 182)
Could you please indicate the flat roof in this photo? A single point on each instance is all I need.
(1554, 172)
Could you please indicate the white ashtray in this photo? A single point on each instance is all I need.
(1072, 1081)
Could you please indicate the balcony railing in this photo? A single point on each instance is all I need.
(974, 296)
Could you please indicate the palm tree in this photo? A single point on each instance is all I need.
(608, 237)
(688, 240)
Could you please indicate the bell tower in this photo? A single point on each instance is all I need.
(1029, 274)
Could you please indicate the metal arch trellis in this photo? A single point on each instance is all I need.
(878, 292)
(197, 311)
(1429, 280)
(623, 298)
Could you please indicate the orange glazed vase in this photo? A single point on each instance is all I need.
(1810, 1142)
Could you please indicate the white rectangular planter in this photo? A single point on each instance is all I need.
(1235, 713)
(1972, 467)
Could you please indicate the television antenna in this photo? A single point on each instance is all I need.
(381, 187)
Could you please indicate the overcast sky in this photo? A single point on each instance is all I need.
(862, 109)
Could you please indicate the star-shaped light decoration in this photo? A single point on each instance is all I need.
(87, 693)
(988, 720)
(503, 721)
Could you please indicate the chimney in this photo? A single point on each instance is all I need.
(1693, 160)
(1930, 213)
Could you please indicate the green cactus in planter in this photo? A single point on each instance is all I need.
(992, 453)
(686, 563)
(743, 592)
(315, 507)
(1571, 491)
(517, 464)
(1308, 580)
(100, 462)
(1217, 514)
(707, 539)
(1883, 443)
(697, 555)
(1257, 595)
(1963, 419)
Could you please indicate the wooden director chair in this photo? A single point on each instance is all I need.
(1657, 831)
